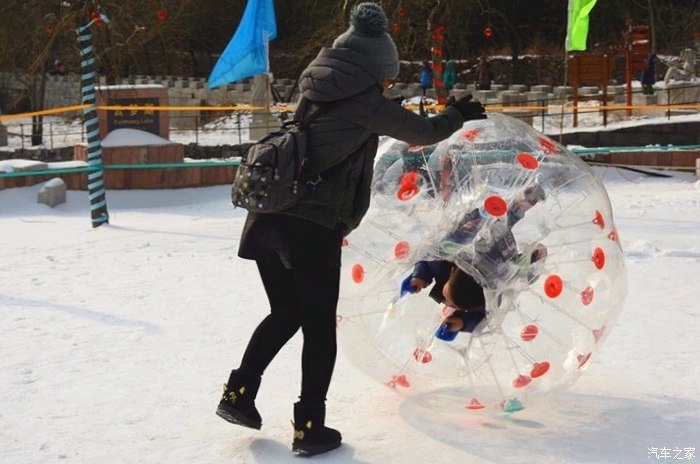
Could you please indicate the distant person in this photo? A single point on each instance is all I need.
(426, 77)
(649, 75)
(449, 77)
(298, 251)
(484, 74)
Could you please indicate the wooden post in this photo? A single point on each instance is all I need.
(606, 80)
(637, 49)
(574, 70)
(628, 81)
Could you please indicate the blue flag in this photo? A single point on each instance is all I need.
(247, 53)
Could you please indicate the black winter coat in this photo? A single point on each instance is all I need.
(342, 142)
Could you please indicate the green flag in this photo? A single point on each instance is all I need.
(577, 29)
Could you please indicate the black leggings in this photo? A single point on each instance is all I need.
(306, 297)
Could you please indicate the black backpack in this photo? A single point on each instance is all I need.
(268, 178)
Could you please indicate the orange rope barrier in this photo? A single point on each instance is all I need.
(65, 109)
(196, 108)
(288, 108)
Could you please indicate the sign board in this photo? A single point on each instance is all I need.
(589, 69)
(144, 120)
(124, 97)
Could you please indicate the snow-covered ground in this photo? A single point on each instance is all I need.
(116, 341)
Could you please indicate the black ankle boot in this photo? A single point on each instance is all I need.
(237, 405)
(311, 436)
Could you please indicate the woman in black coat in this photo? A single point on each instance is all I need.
(298, 251)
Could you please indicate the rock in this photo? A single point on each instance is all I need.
(53, 192)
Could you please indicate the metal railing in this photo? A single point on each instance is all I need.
(193, 128)
(541, 108)
(583, 152)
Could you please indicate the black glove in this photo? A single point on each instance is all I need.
(470, 109)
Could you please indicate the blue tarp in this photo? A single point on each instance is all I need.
(246, 54)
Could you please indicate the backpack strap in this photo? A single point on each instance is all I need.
(301, 110)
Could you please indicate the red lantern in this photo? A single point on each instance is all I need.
(161, 15)
(95, 16)
(401, 12)
(50, 24)
(488, 32)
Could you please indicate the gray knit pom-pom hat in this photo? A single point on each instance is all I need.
(368, 35)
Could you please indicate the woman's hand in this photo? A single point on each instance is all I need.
(456, 324)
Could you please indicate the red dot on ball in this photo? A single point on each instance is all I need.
(553, 286)
(528, 161)
(358, 273)
(495, 206)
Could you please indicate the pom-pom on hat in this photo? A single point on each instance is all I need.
(368, 35)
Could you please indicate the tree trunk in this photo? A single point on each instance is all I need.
(436, 31)
(652, 26)
(38, 92)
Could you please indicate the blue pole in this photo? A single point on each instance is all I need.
(88, 71)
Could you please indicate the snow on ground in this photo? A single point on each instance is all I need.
(116, 341)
